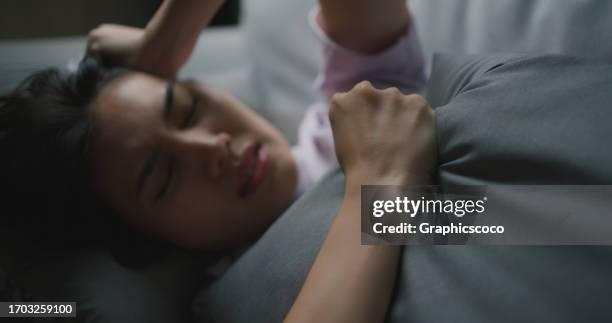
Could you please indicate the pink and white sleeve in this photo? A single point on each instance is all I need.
(401, 65)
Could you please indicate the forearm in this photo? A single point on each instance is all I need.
(348, 282)
(364, 26)
(172, 34)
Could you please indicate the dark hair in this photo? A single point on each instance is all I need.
(44, 129)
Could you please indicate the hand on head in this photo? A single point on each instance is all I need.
(116, 44)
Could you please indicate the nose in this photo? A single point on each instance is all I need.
(211, 151)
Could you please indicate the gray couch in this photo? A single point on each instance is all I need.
(266, 67)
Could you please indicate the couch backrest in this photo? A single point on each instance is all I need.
(284, 52)
(574, 27)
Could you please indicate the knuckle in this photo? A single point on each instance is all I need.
(99, 28)
(392, 91)
(336, 99)
(335, 104)
(425, 113)
(93, 34)
(420, 107)
(364, 85)
(417, 100)
(365, 88)
(418, 103)
(394, 95)
(92, 44)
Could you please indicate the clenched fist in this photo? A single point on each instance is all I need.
(383, 136)
(117, 44)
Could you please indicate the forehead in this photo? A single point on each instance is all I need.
(127, 115)
(128, 100)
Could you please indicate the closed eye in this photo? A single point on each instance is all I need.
(193, 111)
(169, 177)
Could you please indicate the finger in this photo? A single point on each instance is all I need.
(392, 92)
(363, 86)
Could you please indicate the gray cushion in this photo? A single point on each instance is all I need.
(262, 284)
(106, 291)
(501, 119)
(510, 119)
(541, 120)
(120, 277)
(569, 27)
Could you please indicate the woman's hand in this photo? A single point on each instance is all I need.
(383, 136)
(117, 44)
(166, 43)
(141, 49)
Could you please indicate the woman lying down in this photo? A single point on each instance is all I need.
(193, 166)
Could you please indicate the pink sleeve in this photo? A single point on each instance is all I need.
(401, 65)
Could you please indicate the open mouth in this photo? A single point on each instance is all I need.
(253, 164)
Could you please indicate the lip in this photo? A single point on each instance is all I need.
(252, 169)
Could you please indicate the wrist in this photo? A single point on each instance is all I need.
(357, 177)
(366, 27)
(152, 57)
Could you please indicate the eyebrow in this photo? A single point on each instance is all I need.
(149, 164)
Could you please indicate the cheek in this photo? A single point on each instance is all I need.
(208, 218)
(200, 217)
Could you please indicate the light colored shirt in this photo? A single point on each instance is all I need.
(401, 65)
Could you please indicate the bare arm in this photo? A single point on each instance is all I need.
(172, 34)
(164, 45)
(364, 26)
(350, 282)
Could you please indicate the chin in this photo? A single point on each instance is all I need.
(282, 196)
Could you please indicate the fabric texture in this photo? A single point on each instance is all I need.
(262, 284)
(280, 73)
(283, 69)
(501, 120)
(106, 291)
(527, 120)
(400, 65)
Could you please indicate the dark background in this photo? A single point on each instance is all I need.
(36, 18)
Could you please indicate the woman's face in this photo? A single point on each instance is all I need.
(188, 163)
